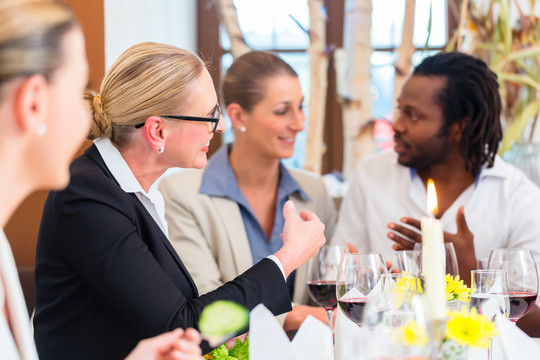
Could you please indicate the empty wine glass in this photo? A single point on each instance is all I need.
(450, 258)
(358, 278)
(409, 261)
(522, 278)
(322, 272)
(489, 293)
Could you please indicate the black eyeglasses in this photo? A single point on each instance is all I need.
(212, 119)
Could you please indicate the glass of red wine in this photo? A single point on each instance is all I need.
(522, 278)
(322, 271)
(358, 278)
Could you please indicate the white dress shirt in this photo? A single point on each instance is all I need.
(502, 208)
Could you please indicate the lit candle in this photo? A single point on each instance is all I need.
(432, 261)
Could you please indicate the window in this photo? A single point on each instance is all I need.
(268, 25)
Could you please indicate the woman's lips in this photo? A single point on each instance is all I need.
(287, 140)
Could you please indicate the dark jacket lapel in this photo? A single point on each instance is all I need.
(93, 153)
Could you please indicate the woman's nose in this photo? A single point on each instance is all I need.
(221, 125)
(298, 121)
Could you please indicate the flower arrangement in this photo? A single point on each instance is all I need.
(464, 328)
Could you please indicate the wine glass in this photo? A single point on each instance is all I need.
(358, 278)
(522, 278)
(322, 273)
(391, 313)
(408, 261)
(450, 258)
(489, 293)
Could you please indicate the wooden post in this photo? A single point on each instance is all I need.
(356, 78)
(319, 68)
(406, 50)
(229, 18)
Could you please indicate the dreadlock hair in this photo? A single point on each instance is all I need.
(471, 93)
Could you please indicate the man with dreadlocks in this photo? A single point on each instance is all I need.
(448, 129)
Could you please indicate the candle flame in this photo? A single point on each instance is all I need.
(432, 206)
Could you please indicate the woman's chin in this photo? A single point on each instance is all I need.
(199, 163)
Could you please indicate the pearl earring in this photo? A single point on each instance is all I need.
(161, 149)
(41, 129)
(242, 128)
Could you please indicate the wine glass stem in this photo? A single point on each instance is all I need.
(330, 314)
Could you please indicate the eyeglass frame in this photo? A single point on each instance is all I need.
(213, 120)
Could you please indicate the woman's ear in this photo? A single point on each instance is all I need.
(31, 106)
(155, 132)
(237, 116)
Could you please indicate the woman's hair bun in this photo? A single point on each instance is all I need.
(101, 124)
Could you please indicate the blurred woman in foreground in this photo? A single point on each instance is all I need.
(43, 123)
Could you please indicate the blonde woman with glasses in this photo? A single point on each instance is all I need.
(106, 274)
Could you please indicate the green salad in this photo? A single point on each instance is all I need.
(240, 351)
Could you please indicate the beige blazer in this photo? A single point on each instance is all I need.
(21, 340)
(209, 235)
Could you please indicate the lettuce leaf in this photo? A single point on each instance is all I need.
(240, 351)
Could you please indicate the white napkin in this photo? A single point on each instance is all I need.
(268, 341)
(516, 345)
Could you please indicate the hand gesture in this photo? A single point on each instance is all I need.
(303, 236)
(463, 240)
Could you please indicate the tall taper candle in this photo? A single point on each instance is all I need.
(432, 258)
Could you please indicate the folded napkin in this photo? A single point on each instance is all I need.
(268, 341)
(515, 344)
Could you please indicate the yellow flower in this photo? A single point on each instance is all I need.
(456, 289)
(405, 287)
(412, 334)
(470, 328)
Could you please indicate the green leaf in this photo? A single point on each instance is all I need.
(520, 79)
(514, 132)
(429, 25)
(240, 349)
(221, 353)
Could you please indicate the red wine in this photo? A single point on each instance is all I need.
(324, 293)
(353, 308)
(520, 304)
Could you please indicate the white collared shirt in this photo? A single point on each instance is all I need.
(502, 208)
(152, 201)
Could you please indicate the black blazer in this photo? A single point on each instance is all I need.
(107, 276)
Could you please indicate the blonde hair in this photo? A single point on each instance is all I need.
(148, 79)
(31, 34)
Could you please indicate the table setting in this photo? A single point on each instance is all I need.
(424, 311)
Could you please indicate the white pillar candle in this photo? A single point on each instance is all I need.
(432, 258)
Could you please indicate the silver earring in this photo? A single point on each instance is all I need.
(41, 129)
(161, 149)
(242, 128)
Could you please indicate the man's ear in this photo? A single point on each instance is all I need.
(457, 129)
(155, 132)
(236, 115)
(31, 104)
